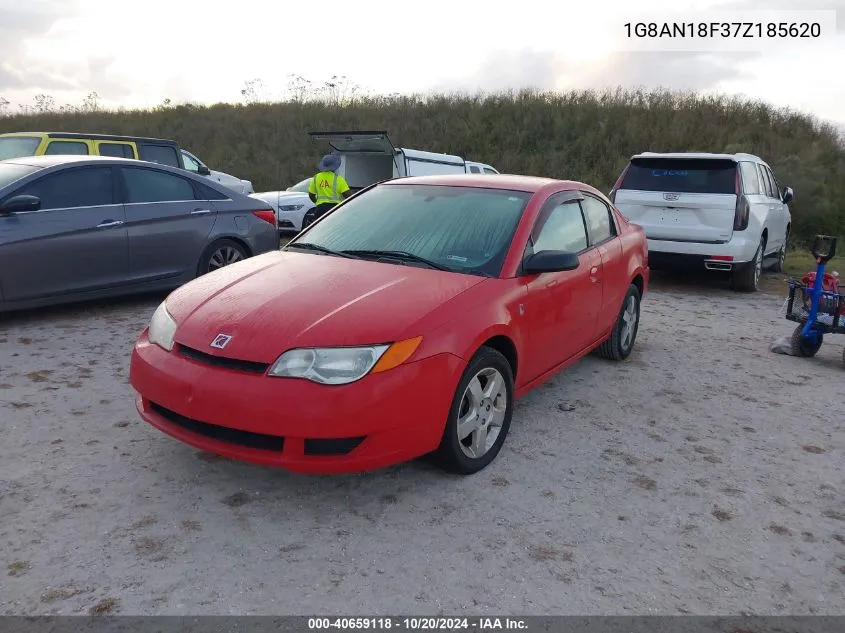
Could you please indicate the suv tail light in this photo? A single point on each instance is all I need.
(743, 209)
(742, 212)
(617, 184)
(267, 215)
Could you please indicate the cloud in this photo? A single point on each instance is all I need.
(20, 72)
(544, 71)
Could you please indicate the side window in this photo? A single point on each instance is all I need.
(750, 178)
(487, 170)
(561, 229)
(473, 169)
(209, 193)
(65, 148)
(161, 154)
(190, 163)
(765, 185)
(774, 183)
(117, 150)
(149, 185)
(73, 188)
(599, 219)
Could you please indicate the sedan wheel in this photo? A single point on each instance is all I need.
(620, 343)
(480, 415)
(220, 254)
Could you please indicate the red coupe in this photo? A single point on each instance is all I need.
(404, 322)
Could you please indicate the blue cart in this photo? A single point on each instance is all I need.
(816, 310)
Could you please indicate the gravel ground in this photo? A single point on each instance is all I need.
(704, 475)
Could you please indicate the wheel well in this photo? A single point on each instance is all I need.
(237, 241)
(506, 348)
(638, 282)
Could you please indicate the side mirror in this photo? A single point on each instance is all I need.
(550, 262)
(18, 204)
(202, 170)
(788, 195)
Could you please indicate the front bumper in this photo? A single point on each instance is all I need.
(382, 419)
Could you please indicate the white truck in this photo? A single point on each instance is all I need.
(366, 158)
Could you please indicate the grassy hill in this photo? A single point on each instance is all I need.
(584, 136)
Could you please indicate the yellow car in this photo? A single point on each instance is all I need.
(19, 144)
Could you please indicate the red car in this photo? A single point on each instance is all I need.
(402, 323)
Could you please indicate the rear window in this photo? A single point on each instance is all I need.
(18, 146)
(683, 175)
(161, 154)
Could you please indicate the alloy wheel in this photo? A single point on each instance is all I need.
(482, 412)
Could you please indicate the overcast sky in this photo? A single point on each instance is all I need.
(137, 53)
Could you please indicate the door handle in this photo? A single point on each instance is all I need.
(200, 211)
(594, 274)
(109, 223)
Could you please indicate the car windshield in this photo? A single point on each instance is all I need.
(681, 175)
(18, 146)
(461, 229)
(301, 186)
(10, 172)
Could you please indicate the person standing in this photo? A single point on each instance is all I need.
(327, 189)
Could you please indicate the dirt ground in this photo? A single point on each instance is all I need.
(704, 475)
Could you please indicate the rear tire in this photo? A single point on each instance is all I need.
(747, 277)
(483, 402)
(620, 343)
(803, 347)
(219, 254)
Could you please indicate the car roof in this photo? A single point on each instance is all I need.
(62, 159)
(700, 155)
(529, 184)
(96, 137)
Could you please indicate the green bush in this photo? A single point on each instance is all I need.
(580, 135)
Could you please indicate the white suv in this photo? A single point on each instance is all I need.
(725, 212)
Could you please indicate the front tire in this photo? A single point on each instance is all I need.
(480, 416)
(620, 343)
(803, 347)
(747, 277)
(781, 260)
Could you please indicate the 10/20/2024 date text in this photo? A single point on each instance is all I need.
(385, 623)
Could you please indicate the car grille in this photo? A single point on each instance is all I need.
(227, 363)
(221, 433)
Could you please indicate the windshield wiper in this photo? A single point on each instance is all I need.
(321, 249)
(402, 255)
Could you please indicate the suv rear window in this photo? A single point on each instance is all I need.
(681, 175)
(18, 146)
(162, 154)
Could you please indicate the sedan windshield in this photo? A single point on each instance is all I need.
(18, 146)
(460, 229)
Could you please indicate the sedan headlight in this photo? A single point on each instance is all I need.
(162, 328)
(291, 207)
(342, 365)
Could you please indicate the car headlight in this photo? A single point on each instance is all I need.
(342, 365)
(162, 328)
(291, 207)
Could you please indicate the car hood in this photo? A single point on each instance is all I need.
(281, 300)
